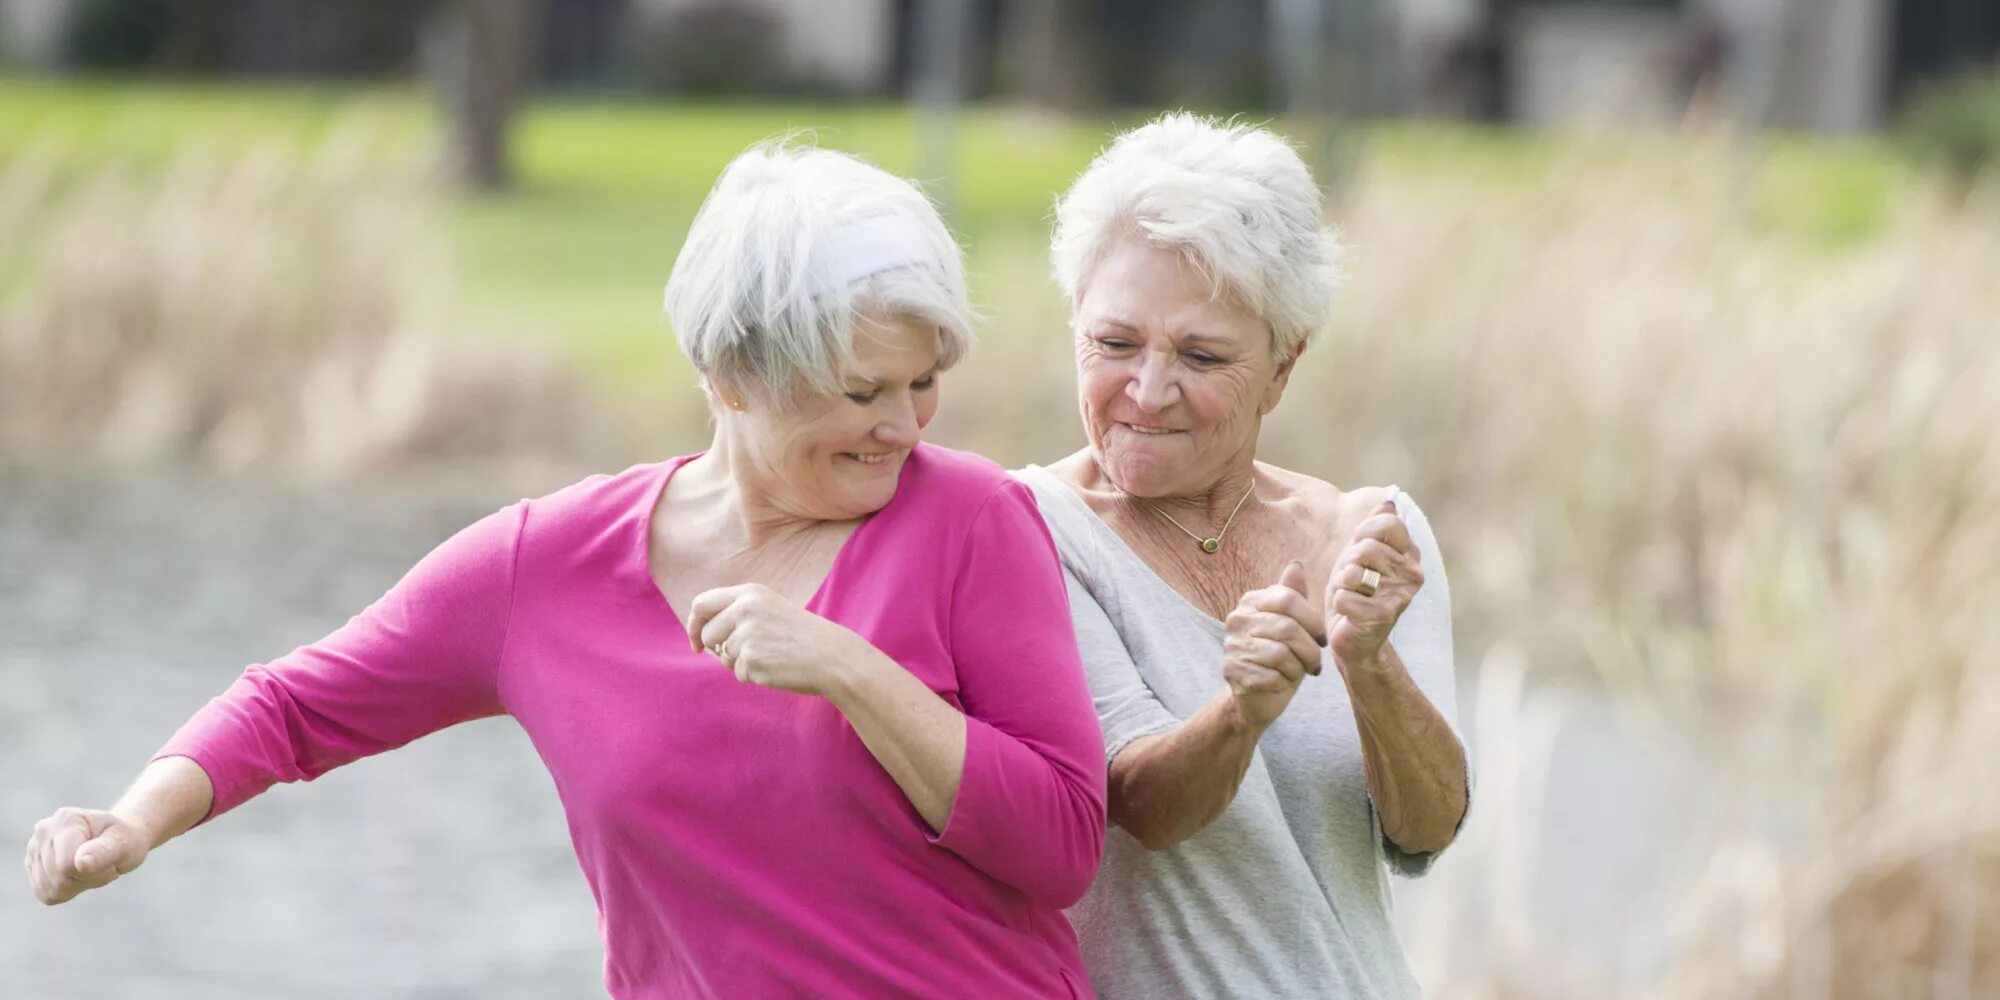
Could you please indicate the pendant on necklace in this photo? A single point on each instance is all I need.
(1209, 545)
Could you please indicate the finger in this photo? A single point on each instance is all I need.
(1351, 577)
(1285, 602)
(1370, 553)
(68, 831)
(1291, 633)
(1389, 530)
(1275, 655)
(37, 883)
(1294, 577)
(1356, 608)
(53, 875)
(105, 858)
(706, 606)
(725, 624)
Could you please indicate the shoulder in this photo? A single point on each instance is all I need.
(939, 473)
(945, 493)
(1338, 511)
(597, 499)
(1064, 509)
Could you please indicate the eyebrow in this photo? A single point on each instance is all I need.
(1192, 338)
(876, 383)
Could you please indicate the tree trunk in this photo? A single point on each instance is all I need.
(482, 55)
(1040, 58)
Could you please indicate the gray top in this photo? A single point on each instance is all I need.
(1287, 894)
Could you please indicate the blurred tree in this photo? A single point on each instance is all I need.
(482, 55)
(115, 34)
(1041, 57)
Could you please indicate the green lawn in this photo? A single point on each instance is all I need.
(579, 253)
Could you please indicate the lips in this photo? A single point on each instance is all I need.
(877, 458)
(1147, 431)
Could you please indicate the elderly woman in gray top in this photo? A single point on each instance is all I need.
(1270, 655)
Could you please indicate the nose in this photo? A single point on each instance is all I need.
(1153, 388)
(901, 427)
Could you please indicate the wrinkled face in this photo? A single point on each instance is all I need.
(1174, 382)
(837, 458)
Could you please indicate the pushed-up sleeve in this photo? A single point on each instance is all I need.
(423, 657)
(1030, 804)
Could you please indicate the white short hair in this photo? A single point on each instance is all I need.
(1235, 199)
(791, 246)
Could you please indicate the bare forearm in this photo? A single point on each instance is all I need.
(1166, 788)
(915, 735)
(169, 797)
(1415, 763)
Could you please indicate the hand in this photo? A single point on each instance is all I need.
(76, 850)
(1358, 622)
(767, 639)
(1272, 643)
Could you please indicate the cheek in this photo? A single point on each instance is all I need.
(1099, 384)
(1217, 401)
(927, 407)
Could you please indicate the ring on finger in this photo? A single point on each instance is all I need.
(1371, 581)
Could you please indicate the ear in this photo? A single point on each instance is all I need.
(1276, 390)
(724, 395)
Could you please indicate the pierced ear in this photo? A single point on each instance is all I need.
(728, 398)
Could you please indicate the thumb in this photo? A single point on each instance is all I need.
(1294, 576)
(106, 854)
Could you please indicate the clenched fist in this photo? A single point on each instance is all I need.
(75, 850)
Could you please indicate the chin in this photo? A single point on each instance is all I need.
(1138, 472)
(861, 499)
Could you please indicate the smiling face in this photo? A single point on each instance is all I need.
(837, 458)
(1174, 381)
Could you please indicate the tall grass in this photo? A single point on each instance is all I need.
(264, 309)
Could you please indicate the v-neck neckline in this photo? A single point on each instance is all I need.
(650, 508)
(1099, 526)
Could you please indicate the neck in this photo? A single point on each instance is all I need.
(1209, 504)
(746, 504)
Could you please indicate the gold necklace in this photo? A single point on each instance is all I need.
(1208, 545)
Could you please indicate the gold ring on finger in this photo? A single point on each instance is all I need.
(1371, 581)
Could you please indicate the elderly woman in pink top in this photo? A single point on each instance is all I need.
(811, 698)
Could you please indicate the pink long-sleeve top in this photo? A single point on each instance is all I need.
(740, 841)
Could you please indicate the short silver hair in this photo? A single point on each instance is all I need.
(793, 245)
(1235, 199)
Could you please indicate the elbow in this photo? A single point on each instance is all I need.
(1160, 830)
(1426, 842)
(1066, 888)
(1431, 836)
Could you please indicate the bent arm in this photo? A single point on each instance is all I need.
(1166, 787)
(1029, 807)
(915, 735)
(1418, 775)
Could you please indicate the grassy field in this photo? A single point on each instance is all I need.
(578, 255)
(1710, 421)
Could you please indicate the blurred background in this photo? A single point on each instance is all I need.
(1682, 319)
